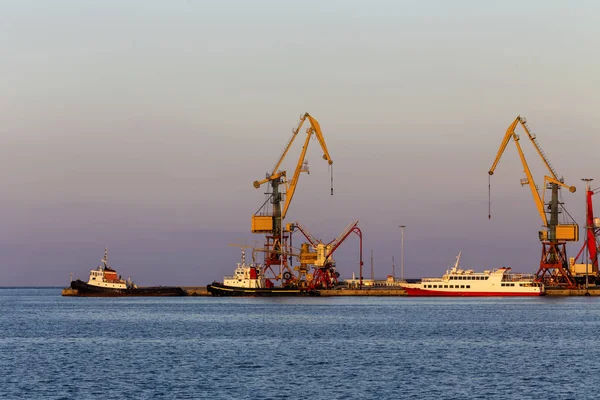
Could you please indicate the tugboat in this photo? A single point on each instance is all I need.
(249, 280)
(105, 282)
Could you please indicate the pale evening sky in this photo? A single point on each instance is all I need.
(141, 125)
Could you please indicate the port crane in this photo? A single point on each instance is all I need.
(319, 255)
(592, 229)
(553, 263)
(269, 222)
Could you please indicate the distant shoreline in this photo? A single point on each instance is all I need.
(31, 287)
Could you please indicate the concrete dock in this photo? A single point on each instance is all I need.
(69, 292)
(554, 291)
(363, 292)
(196, 290)
(551, 291)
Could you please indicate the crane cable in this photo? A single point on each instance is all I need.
(489, 197)
(331, 171)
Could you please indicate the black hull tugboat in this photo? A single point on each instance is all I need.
(105, 282)
(219, 289)
(248, 280)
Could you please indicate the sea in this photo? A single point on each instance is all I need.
(54, 347)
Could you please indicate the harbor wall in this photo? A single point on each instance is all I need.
(196, 290)
(594, 291)
(201, 291)
(363, 292)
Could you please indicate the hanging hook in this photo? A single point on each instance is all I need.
(331, 170)
(489, 197)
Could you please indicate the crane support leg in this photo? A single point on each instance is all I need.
(276, 261)
(554, 269)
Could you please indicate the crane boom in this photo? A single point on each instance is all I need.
(565, 232)
(291, 189)
(316, 129)
(510, 133)
(262, 223)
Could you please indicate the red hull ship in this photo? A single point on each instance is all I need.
(467, 283)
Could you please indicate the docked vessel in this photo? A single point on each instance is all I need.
(459, 282)
(105, 282)
(249, 280)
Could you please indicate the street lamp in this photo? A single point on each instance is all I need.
(402, 252)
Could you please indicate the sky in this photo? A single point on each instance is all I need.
(141, 125)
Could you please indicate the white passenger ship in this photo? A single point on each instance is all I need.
(458, 282)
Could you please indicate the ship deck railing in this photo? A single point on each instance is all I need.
(432, 279)
(518, 277)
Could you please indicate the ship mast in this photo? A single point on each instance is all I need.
(105, 259)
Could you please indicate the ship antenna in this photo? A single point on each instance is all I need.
(455, 268)
(243, 256)
(105, 259)
(458, 259)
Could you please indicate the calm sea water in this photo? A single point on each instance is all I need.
(306, 348)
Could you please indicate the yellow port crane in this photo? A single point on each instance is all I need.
(553, 265)
(272, 223)
(554, 230)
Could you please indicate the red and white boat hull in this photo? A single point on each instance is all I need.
(457, 282)
(442, 293)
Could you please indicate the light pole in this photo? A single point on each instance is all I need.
(402, 251)
(587, 232)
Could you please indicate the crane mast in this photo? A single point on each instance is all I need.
(553, 265)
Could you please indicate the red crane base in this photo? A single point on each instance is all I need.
(553, 271)
(324, 278)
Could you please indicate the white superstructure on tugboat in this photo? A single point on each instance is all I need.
(106, 277)
(246, 275)
(459, 282)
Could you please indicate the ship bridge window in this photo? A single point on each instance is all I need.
(445, 286)
(462, 286)
(451, 286)
(468, 286)
(435, 286)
